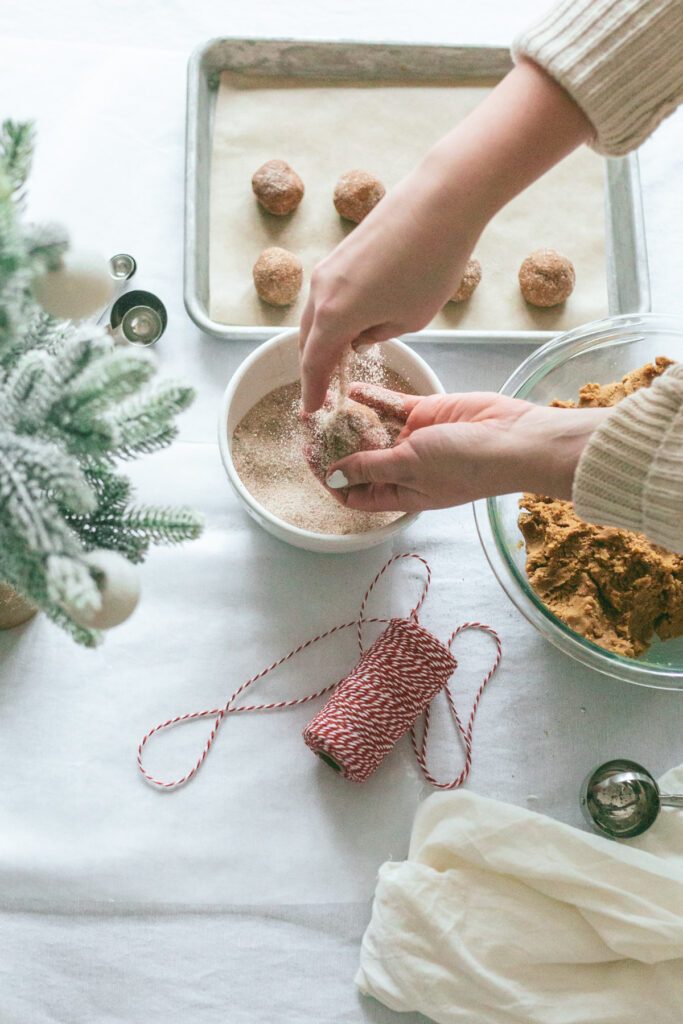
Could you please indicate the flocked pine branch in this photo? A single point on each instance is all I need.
(16, 151)
(72, 405)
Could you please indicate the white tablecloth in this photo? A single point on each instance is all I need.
(243, 897)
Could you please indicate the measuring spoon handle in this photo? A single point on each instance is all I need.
(671, 801)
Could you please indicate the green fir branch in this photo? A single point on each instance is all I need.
(16, 151)
(45, 246)
(71, 407)
(166, 525)
(84, 637)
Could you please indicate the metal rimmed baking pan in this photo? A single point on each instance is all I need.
(628, 288)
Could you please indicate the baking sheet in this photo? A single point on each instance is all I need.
(323, 128)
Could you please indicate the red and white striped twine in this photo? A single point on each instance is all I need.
(394, 681)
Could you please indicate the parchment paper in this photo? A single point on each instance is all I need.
(324, 129)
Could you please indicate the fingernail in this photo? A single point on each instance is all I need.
(362, 346)
(336, 480)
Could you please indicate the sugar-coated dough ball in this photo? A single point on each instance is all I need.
(356, 193)
(469, 281)
(278, 188)
(278, 276)
(546, 278)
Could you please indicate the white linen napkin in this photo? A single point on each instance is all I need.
(503, 915)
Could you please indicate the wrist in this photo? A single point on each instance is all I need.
(543, 450)
(526, 124)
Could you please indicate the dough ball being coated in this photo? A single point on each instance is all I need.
(278, 276)
(278, 188)
(546, 278)
(356, 193)
(470, 279)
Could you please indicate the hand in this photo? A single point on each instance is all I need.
(404, 261)
(388, 277)
(457, 448)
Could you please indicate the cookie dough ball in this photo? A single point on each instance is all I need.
(356, 193)
(470, 280)
(546, 278)
(278, 276)
(278, 188)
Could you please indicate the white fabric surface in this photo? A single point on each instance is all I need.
(502, 915)
(121, 903)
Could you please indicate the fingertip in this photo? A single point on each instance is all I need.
(395, 404)
(361, 347)
(312, 397)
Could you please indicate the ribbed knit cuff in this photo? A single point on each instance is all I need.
(620, 60)
(630, 473)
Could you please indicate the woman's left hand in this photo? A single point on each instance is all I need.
(460, 447)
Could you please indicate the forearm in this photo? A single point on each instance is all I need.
(525, 126)
(621, 61)
(541, 451)
(405, 260)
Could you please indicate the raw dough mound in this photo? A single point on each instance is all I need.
(612, 586)
(546, 278)
(595, 395)
(278, 276)
(356, 193)
(278, 188)
(470, 279)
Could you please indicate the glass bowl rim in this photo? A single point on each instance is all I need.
(518, 590)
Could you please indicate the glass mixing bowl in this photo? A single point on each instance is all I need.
(603, 351)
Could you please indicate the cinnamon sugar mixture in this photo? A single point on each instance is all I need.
(268, 454)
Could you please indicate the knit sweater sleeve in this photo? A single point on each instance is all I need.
(630, 473)
(620, 60)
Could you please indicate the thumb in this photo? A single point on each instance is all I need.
(377, 481)
(379, 466)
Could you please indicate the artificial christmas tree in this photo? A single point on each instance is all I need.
(72, 406)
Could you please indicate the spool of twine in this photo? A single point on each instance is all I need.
(380, 700)
(393, 683)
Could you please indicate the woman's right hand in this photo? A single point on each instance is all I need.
(389, 276)
(404, 261)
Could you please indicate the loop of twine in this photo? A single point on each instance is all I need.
(420, 751)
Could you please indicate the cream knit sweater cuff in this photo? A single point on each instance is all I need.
(620, 60)
(630, 473)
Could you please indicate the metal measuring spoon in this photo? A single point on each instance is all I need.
(620, 799)
(138, 317)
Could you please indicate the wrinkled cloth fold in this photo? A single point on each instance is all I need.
(505, 916)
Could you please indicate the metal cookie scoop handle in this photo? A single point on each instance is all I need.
(621, 799)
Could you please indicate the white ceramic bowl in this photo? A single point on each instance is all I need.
(272, 364)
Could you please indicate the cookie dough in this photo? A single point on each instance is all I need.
(546, 278)
(278, 188)
(340, 429)
(356, 193)
(278, 276)
(470, 279)
(612, 586)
